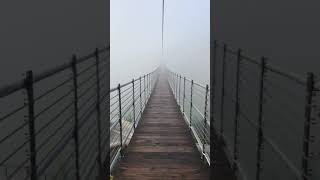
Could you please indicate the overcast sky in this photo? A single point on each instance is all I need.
(136, 38)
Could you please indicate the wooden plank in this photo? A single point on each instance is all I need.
(162, 146)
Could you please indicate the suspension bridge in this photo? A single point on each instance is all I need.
(162, 146)
(67, 123)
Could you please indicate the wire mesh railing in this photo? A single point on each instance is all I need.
(194, 102)
(66, 123)
(51, 123)
(264, 116)
(127, 104)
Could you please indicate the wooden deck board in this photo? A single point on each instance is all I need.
(162, 146)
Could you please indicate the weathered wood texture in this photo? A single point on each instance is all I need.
(162, 146)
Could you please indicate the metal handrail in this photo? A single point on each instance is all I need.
(136, 94)
(55, 130)
(130, 109)
(200, 127)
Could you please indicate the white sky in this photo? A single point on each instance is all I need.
(136, 38)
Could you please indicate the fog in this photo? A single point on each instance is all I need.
(136, 38)
(187, 38)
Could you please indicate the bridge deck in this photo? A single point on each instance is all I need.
(162, 146)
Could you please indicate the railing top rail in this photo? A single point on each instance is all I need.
(11, 88)
(290, 75)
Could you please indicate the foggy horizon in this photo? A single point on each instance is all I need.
(136, 38)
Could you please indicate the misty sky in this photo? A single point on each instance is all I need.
(136, 38)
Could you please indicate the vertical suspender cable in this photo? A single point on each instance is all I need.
(162, 25)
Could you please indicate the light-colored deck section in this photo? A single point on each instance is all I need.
(162, 146)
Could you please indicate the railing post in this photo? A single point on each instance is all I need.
(75, 128)
(236, 118)
(177, 87)
(147, 86)
(177, 82)
(260, 118)
(150, 85)
(174, 85)
(184, 92)
(205, 119)
(144, 90)
(140, 97)
(307, 127)
(191, 105)
(223, 89)
(170, 77)
(120, 120)
(172, 82)
(31, 118)
(133, 105)
(98, 112)
(151, 81)
(179, 90)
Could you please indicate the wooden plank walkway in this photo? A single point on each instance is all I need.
(162, 146)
